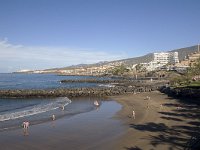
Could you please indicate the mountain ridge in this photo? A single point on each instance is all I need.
(183, 53)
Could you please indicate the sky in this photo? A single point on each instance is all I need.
(41, 34)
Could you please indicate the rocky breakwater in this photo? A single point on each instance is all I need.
(120, 88)
(182, 92)
(103, 81)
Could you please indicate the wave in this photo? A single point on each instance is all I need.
(106, 85)
(2, 110)
(37, 109)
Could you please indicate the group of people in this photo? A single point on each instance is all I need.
(162, 106)
(25, 126)
(54, 117)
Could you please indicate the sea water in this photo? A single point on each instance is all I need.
(36, 110)
(15, 111)
(43, 81)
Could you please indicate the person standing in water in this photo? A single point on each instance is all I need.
(96, 103)
(25, 127)
(53, 117)
(63, 107)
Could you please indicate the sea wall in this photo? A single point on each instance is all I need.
(75, 92)
(112, 80)
(100, 81)
(120, 86)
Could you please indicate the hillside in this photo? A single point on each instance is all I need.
(182, 54)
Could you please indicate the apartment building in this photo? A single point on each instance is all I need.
(165, 58)
(161, 59)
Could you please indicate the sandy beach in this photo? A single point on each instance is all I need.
(112, 126)
(165, 126)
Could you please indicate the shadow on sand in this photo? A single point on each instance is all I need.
(177, 136)
(133, 148)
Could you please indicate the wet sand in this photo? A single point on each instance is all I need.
(165, 127)
(89, 130)
(112, 127)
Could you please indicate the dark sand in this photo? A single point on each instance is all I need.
(155, 128)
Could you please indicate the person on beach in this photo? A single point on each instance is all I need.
(53, 117)
(25, 124)
(178, 106)
(133, 114)
(161, 106)
(147, 98)
(147, 105)
(63, 107)
(25, 127)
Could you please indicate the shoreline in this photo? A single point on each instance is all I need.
(89, 130)
(154, 128)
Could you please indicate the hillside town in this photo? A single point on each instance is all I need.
(177, 60)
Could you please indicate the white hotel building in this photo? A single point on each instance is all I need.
(165, 58)
(161, 59)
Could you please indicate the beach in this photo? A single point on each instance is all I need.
(166, 126)
(111, 126)
(91, 129)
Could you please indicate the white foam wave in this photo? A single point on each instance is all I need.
(41, 108)
(106, 85)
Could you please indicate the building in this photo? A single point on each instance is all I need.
(166, 58)
(161, 59)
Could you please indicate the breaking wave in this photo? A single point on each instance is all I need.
(106, 85)
(37, 109)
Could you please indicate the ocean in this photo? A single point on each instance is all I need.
(42, 81)
(37, 110)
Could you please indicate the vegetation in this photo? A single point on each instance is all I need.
(119, 70)
(140, 68)
(196, 69)
(190, 78)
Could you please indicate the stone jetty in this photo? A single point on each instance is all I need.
(121, 88)
(103, 81)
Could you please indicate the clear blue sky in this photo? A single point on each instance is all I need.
(38, 34)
